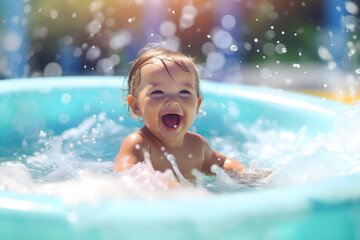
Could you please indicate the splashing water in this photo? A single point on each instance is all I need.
(78, 164)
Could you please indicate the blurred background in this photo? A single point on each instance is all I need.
(309, 46)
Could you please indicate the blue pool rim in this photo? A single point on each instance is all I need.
(327, 209)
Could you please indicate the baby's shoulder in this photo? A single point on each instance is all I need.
(137, 139)
(196, 139)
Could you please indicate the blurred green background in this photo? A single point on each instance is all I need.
(310, 45)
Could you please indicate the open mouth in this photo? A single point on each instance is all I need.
(171, 120)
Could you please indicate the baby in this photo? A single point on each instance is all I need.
(163, 90)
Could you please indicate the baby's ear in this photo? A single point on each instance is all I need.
(134, 105)
(199, 101)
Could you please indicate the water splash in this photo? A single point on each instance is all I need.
(81, 170)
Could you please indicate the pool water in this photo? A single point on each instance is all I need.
(67, 163)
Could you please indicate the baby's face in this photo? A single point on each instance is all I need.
(168, 105)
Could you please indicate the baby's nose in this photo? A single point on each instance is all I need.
(172, 101)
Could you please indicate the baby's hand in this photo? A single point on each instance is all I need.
(253, 177)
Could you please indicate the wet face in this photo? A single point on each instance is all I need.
(167, 101)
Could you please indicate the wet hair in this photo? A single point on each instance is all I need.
(149, 55)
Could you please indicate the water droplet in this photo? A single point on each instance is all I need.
(256, 40)
(137, 146)
(296, 65)
(233, 48)
(85, 138)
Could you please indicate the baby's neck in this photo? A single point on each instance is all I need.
(157, 141)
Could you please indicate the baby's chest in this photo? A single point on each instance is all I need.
(185, 160)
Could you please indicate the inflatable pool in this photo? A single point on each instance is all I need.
(328, 209)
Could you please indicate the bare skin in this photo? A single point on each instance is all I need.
(167, 101)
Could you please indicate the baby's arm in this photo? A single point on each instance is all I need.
(131, 152)
(214, 157)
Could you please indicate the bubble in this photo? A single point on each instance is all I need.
(106, 66)
(215, 60)
(324, 53)
(207, 48)
(52, 69)
(110, 22)
(64, 118)
(173, 42)
(74, 15)
(27, 8)
(186, 21)
(54, 14)
(190, 155)
(93, 53)
(357, 71)
(120, 40)
(77, 52)
(68, 40)
(273, 15)
(167, 28)
(222, 39)
(12, 42)
(95, 6)
(269, 49)
(190, 9)
(351, 7)
(265, 73)
(288, 81)
(256, 40)
(93, 27)
(331, 65)
(247, 46)
(228, 21)
(66, 98)
(280, 48)
(270, 34)
(350, 22)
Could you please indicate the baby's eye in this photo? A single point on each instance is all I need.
(157, 92)
(185, 92)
